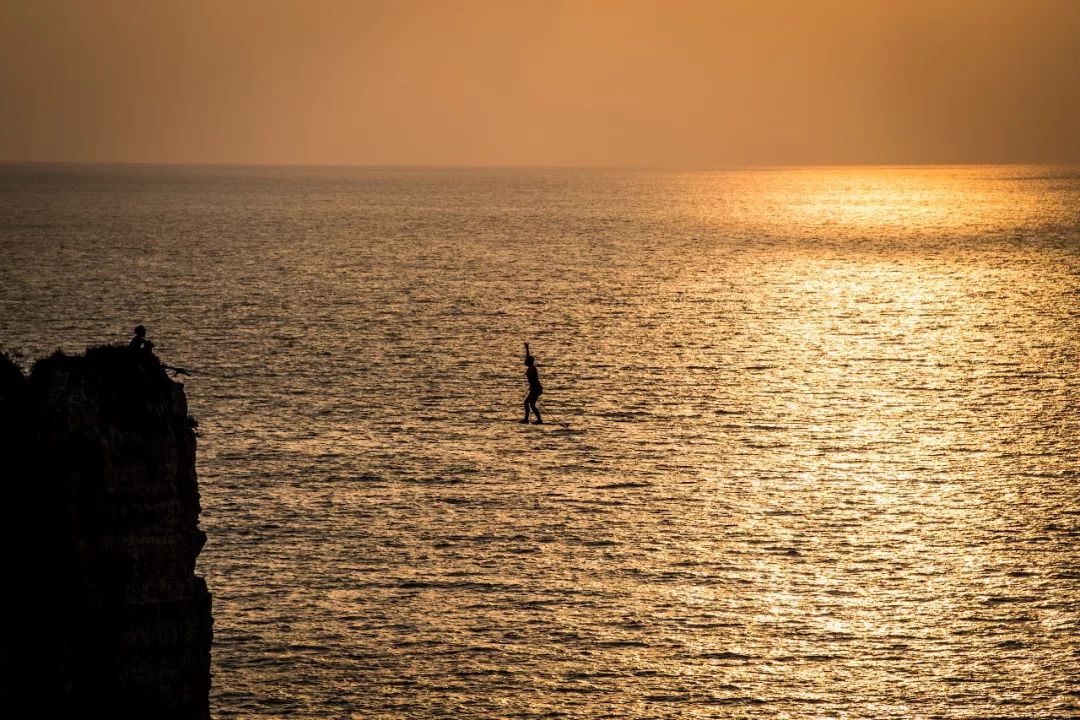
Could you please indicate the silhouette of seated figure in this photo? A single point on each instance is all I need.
(139, 342)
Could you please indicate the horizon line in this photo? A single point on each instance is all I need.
(482, 166)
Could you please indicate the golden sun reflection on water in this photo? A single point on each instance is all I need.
(910, 393)
(875, 203)
(940, 200)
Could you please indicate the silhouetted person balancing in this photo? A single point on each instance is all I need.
(535, 388)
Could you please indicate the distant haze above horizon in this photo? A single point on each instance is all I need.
(666, 84)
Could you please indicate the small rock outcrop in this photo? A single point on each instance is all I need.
(101, 613)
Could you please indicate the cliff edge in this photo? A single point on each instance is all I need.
(101, 611)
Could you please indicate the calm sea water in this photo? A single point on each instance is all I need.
(812, 441)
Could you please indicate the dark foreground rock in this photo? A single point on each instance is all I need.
(101, 613)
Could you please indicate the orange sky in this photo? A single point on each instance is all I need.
(590, 82)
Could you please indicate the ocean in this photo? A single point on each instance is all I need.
(811, 443)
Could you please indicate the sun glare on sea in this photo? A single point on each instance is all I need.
(904, 204)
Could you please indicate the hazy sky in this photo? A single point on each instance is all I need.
(591, 82)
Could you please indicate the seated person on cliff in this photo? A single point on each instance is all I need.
(139, 342)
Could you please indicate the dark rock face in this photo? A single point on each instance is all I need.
(101, 612)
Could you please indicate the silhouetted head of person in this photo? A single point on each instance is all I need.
(529, 360)
(140, 331)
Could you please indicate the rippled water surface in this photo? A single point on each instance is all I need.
(811, 446)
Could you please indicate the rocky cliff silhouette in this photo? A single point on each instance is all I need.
(101, 612)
